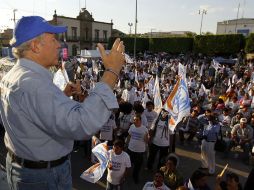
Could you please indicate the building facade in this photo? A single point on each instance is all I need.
(83, 32)
(243, 26)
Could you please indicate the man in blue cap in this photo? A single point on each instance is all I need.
(40, 120)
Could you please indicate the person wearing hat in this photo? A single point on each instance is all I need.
(242, 135)
(236, 119)
(40, 120)
(245, 111)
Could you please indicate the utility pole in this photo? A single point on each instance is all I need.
(135, 38)
(130, 25)
(202, 12)
(237, 19)
(14, 16)
(152, 29)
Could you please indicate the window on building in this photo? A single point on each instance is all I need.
(74, 33)
(105, 34)
(96, 34)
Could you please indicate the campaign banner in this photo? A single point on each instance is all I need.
(95, 172)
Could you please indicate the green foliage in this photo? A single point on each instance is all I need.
(249, 48)
(205, 44)
(171, 45)
(142, 44)
(218, 44)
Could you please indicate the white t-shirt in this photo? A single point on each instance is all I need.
(150, 116)
(150, 186)
(161, 138)
(107, 129)
(119, 165)
(137, 142)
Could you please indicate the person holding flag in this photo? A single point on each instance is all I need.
(118, 167)
(159, 138)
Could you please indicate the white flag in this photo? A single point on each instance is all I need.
(95, 172)
(178, 104)
(157, 95)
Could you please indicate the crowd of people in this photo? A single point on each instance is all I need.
(222, 103)
(109, 100)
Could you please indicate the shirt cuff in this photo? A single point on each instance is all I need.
(105, 92)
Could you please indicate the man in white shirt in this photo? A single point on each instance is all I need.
(119, 164)
(129, 94)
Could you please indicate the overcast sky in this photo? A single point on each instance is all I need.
(153, 15)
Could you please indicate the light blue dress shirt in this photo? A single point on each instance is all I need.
(41, 122)
(211, 131)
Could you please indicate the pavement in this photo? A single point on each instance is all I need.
(189, 161)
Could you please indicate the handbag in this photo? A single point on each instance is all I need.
(220, 144)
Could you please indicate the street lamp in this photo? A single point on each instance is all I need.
(135, 37)
(152, 29)
(14, 16)
(130, 25)
(202, 12)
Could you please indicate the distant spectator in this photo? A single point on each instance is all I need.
(172, 177)
(198, 180)
(157, 183)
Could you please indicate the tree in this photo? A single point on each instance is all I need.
(249, 48)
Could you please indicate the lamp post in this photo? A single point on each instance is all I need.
(152, 29)
(135, 37)
(130, 25)
(236, 22)
(202, 12)
(14, 16)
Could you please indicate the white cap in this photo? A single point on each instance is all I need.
(243, 120)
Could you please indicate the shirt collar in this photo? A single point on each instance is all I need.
(31, 65)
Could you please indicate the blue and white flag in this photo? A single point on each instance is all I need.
(178, 104)
(95, 172)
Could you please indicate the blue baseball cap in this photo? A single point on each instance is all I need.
(29, 27)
